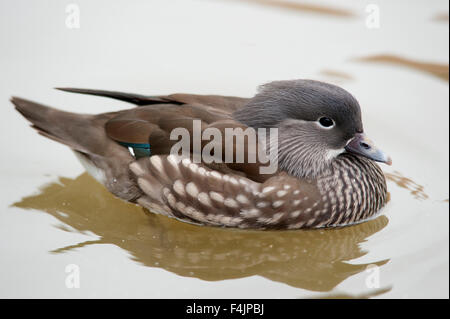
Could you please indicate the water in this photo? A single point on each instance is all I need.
(54, 215)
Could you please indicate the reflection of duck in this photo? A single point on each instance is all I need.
(321, 169)
(313, 260)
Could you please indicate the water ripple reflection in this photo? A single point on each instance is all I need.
(313, 260)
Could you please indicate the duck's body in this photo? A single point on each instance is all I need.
(318, 186)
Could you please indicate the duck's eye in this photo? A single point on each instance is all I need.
(326, 122)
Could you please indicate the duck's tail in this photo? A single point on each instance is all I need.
(81, 132)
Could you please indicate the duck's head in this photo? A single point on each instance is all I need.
(316, 123)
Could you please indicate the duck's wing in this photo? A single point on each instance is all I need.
(160, 129)
(188, 188)
(227, 104)
(195, 193)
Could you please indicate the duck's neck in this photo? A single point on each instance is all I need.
(300, 159)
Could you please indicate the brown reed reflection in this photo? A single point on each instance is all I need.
(304, 7)
(436, 69)
(415, 189)
(315, 260)
(441, 17)
(336, 74)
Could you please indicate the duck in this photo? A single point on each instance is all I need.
(326, 172)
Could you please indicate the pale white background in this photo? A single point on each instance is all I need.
(219, 47)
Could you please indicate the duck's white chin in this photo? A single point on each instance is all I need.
(332, 154)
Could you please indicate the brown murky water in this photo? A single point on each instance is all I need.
(398, 72)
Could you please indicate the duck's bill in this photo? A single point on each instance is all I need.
(361, 145)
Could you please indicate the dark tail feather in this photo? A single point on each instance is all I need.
(136, 99)
(77, 131)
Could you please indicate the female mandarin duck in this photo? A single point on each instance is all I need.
(326, 175)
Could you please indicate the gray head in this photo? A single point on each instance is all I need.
(316, 123)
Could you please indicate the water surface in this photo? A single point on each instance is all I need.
(53, 214)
